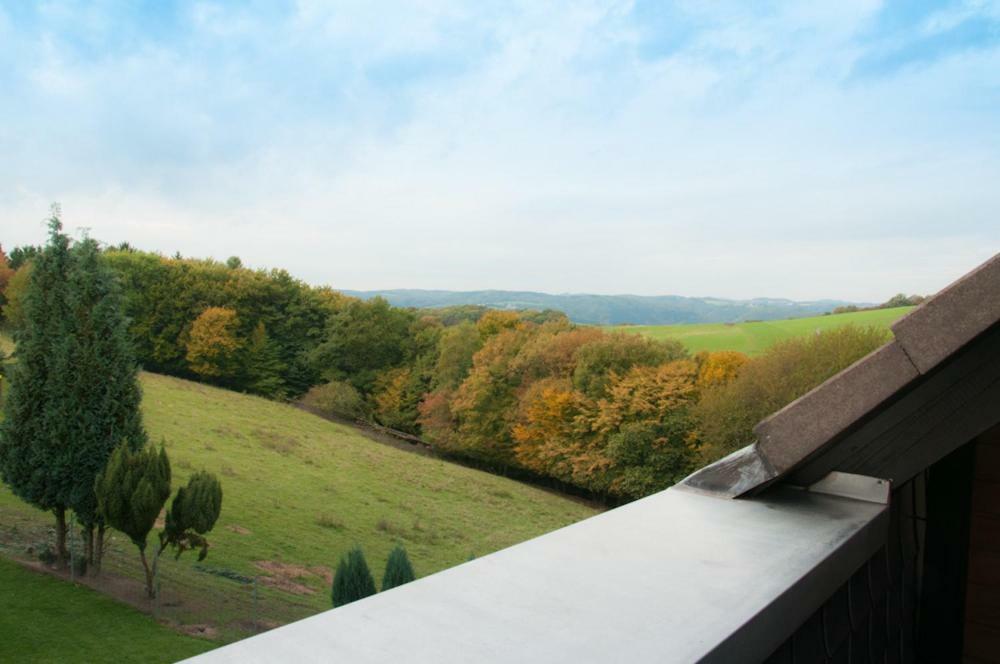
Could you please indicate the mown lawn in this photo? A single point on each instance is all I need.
(298, 492)
(45, 619)
(754, 338)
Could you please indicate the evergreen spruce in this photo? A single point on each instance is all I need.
(36, 458)
(104, 389)
(353, 580)
(263, 365)
(131, 492)
(398, 569)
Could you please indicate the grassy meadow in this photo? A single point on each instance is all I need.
(45, 619)
(756, 337)
(298, 492)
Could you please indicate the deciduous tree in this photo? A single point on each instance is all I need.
(212, 345)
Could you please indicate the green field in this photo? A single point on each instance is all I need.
(298, 492)
(754, 338)
(45, 619)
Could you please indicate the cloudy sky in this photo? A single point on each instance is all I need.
(848, 149)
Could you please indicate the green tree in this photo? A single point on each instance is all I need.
(131, 492)
(193, 513)
(35, 457)
(104, 392)
(353, 580)
(456, 347)
(262, 366)
(398, 569)
(614, 354)
(364, 339)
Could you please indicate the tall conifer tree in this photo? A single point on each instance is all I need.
(35, 458)
(103, 388)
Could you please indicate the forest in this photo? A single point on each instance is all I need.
(523, 393)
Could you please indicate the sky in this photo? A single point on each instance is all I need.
(846, 149)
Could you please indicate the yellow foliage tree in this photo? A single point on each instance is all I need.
(212, 344)
(648, 393)
(719, 368)
(495, 321)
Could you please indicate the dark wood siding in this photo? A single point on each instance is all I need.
(982, 608)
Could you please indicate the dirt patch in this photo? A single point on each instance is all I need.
(239, 530)
(203, 631)
(290, 578)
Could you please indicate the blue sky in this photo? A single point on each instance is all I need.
(848, 149)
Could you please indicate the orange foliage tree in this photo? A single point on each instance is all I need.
(212, 343)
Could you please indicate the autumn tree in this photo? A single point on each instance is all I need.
(6, 273)
(13, 308)
(212, 345)
(719, 367)
(495, 321)
(616, 353)
(728, 412)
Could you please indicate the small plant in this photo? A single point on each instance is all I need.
(398, 569)
(46, 555)
(330, 521)
(353, 580)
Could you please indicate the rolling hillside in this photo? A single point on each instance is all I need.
(298, 492)
(612, 309)
(753, 338)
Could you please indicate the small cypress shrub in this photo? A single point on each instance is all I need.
(398, 569)
(353, 580)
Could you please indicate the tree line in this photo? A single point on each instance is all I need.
(616, 415)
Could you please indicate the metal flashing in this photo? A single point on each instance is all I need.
(858, 487)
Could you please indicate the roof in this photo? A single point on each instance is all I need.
(619, 587)
(892, 413)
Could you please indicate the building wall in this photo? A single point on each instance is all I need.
(982, 599)
(872, 617)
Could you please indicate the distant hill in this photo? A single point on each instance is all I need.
(614, 309)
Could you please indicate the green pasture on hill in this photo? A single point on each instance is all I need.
(45, 619)
(756, 337)
(298, 492)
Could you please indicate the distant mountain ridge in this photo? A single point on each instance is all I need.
(613, 309)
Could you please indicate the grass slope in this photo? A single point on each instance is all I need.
(45, 619)
(298, 492)
(754, 338)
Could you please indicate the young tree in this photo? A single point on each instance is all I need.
(131, 492)
(353, 580)
(193, 513)
(35, 458)
(398, 569)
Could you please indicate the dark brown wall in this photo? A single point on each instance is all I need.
(982, 608)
